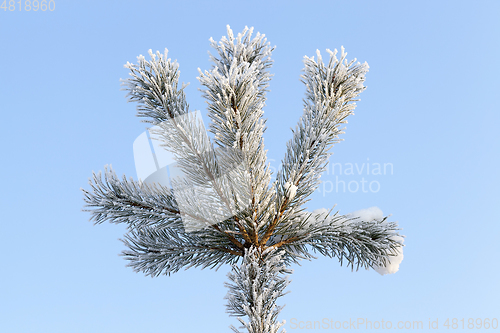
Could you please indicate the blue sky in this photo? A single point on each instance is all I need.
(429, 111)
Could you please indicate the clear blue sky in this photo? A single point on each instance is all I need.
(430, 111)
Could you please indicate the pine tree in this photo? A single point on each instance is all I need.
(224, 208)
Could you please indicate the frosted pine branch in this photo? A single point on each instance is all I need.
(223, 208)
(154, 86)
(331, 90)
(359, 241)
(160, 251)
(130, 202)
(254, 289)
(235, 89)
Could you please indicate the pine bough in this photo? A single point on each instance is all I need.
(267, 228)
